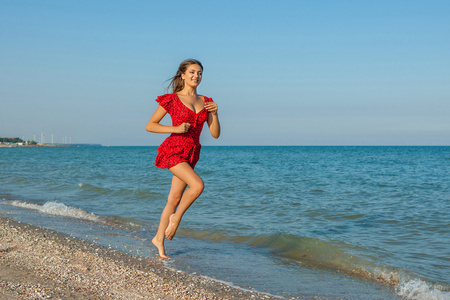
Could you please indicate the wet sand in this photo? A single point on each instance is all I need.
(37, 263)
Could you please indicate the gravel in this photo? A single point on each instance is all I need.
(37, 263)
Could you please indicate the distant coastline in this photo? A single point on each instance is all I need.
(7, 145)
(17, 142)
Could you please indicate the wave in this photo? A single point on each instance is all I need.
(58, 209)
(93, 189)
(317, 253)
(322, 254)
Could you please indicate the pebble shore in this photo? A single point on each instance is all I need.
(36, 263)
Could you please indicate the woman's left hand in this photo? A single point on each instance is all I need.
(211, 107)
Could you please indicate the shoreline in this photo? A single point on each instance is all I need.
(32, 146)
(40, 263)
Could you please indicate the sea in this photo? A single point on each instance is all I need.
(291, 221)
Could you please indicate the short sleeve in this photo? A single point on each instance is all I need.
(166, 102)
(207, 99)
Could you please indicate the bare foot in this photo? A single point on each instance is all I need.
(160, 246)
(171, 228)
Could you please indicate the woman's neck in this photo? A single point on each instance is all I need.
(188, 91)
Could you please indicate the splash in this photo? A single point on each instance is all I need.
(417, 289)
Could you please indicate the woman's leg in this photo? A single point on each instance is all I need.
(176, 191)
(186, 174)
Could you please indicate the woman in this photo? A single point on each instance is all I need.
(181, 150)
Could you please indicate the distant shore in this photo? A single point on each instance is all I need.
(4, 145)
(39, 263)
(37, 145)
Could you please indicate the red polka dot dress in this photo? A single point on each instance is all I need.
(181, 147)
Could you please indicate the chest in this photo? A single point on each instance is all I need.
(194, 102)
(182, 114)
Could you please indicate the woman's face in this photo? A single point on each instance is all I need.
(193, 75)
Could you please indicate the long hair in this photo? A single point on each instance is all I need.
(176, 82)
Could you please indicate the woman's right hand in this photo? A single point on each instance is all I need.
(183, 128)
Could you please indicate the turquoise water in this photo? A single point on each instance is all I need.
(331, 222)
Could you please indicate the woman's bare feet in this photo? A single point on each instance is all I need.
(171, 228)
(160, 246)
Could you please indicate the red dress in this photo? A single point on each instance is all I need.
(181, 147)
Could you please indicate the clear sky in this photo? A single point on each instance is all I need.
(282, 72)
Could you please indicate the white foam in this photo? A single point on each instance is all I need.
(57, 209)
(417, 289)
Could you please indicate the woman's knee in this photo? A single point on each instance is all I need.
(198, 187)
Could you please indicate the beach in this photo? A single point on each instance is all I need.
(37, 263)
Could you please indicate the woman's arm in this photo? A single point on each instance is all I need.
(213, 119)
(154, 126)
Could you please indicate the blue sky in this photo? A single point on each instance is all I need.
(282, 72)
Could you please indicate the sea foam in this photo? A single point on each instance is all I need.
(417, 289)
(58, 209)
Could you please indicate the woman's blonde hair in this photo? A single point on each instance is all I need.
(176, 82)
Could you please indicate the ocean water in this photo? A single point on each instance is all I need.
(298, 222)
